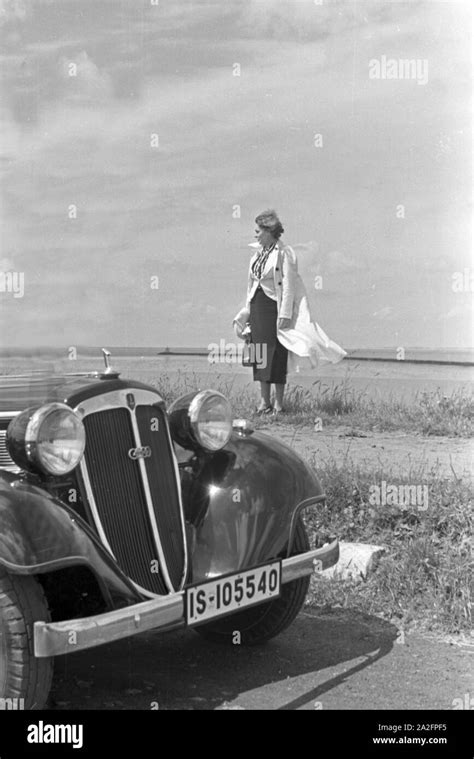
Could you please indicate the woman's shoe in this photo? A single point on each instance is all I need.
(264, 410)
(278, 411)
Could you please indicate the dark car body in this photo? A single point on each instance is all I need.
(117, 541)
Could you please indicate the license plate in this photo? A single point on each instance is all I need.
(232, 592)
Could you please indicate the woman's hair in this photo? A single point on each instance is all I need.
(269, 220)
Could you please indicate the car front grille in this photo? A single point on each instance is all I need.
(135, 502)
(5, 458)
(6, 461)
(162, 480)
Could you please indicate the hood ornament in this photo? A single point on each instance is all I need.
(109, 372)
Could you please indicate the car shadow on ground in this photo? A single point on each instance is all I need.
(181, 670)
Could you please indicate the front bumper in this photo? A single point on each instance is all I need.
(165, 612)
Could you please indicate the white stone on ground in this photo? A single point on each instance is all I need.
(356, 560)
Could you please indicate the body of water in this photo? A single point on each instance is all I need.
(376, 376)
(463, 356)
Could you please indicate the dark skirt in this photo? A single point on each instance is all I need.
(263, 319)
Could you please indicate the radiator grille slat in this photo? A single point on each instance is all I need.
(120, 497)
(152, 424)
(5, 460)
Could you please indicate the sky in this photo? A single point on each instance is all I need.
(140, 138)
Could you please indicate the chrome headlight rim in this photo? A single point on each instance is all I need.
(194, 411)
(184, 420)
(31, 448)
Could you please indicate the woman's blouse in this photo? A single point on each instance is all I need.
(266, 281)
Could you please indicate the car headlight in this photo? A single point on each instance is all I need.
(201, 420)
(49, 439)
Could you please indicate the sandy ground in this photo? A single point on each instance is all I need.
(399, 452)
(338, 659)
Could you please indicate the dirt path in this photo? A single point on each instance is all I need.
(400, 452)
(336, 660)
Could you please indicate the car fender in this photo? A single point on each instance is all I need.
(39, 533)
(243, 503)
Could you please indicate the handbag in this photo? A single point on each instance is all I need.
(248, 350)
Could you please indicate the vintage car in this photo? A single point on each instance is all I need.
(118, 515)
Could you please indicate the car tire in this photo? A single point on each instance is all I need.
(258, 624)
(24, 678)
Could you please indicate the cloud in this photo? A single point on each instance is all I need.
(13, 10)
(439, 263)
(338, 261)
(224, 140)
(290, 19)
(310, 247)
(384, 313)
(6, 264)
(84, 77)
(459, 310)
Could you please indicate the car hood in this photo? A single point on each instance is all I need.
(18, 392)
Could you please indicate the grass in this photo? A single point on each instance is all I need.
(426, 413)
(425, 577)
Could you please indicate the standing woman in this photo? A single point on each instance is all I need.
(284, 333)
(270, 296)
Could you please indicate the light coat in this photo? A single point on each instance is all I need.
(306, 342)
